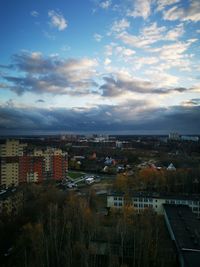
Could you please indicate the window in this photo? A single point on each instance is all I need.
(120, 204)
(135, 199)
(115, 204)
(135, 205)
(115, 198)
(120, 198)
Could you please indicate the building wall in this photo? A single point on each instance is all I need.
(156, 203)
(12, 148)
(17, 167)
(9, 172)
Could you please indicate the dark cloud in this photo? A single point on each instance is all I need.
(116, 85)
(104, 118)
(75, 77)
(40, 101)
(39, 74)
(192, 102)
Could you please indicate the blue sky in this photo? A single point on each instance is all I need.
(127, 66)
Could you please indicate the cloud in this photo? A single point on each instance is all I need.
(150, 35)
(107, 61)
(162, 4)
(192, 102)
(105, 4)
(39, 74)
(121, 84)
(142, 8)
(190, 13)
(98, 37)
(133, 116)
(174, 55)
(120, 25)
(34, 13)
(40, 101)
(57, 20)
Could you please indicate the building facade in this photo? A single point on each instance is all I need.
(142, 201)
(19, 166)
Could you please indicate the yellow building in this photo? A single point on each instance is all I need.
(9, 169)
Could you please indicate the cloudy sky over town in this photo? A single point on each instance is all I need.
(109, 66)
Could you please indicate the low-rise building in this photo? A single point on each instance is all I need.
(184, 229)
(141, 201)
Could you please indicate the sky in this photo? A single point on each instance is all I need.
(100, 66)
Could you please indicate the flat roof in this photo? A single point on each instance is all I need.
(186, 229)
(157, 195)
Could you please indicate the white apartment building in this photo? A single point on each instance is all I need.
(142, 201)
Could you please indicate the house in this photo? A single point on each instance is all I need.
(171, 167)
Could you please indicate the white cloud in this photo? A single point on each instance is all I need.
(107, 61)
(142, 61)
(105, 4)
(142, 8)
(175, 33)
(124, 53)
(34, 13)
(191, 13)
(162, 79)
(174, 55)
(109, 49)
(98, 37)
(161, 4)
(149, 35)
(57, 20)
(120, 25)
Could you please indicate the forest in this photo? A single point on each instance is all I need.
(57, 229)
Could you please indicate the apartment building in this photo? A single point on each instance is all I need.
(141, 201)
(10, 152)
(18, 166)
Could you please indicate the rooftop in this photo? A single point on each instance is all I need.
(186, 230)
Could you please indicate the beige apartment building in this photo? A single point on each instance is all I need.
(9, 162)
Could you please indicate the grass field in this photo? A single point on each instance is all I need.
(75, 175)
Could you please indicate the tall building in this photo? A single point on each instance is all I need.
(9, 162)
(17, 166)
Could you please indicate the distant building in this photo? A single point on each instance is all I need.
(119, 144)
(171, 167)
(190, 138)
(174, 136)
